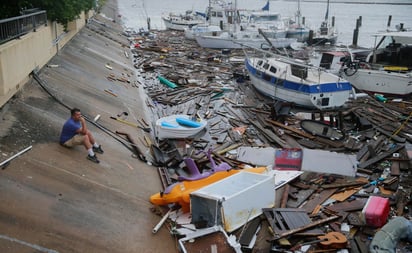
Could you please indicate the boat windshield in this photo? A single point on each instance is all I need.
(386, 42)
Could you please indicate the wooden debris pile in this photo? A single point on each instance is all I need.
(314, 205)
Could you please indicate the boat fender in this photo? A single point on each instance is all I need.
(169, 125)
(188, 122)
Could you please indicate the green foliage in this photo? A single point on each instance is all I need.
(62, 11)
(100, 3)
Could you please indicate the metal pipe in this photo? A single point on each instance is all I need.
(14, 156)
(161, 222)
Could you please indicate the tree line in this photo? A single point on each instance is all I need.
(62, 11)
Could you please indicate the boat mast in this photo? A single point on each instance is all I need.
(327, 13)
(235, 17)
(298, 14)
(208, 11)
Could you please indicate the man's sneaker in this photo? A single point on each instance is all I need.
(98, 149)
(93, 158)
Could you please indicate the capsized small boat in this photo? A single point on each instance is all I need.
(178, 126)
(179, 193)
(322, 129)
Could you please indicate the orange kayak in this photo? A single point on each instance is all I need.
(179, 192)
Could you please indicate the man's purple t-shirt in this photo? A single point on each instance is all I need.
(69, 130)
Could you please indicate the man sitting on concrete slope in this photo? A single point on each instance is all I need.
(75, 132)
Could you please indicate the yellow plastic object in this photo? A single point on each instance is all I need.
(395, 68)
(179, 192)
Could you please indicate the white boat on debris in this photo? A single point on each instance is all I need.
(289, 80)
(179, 22)
(387, 70)
(330, 60)
(178, 126)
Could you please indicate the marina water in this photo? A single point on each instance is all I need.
(135, 13)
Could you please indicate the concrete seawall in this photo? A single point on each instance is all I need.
(19, 57)
(53, 198)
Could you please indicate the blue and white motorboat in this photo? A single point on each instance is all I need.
(290, 80)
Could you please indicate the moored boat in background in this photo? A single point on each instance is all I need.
(327, 32)
(179, 22)
(241, 39)
(219, 16)
(245, 32)
(387, 69)
(297, 28)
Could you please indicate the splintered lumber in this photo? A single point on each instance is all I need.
(390, 135)
(344, 195)
(285, 195)
(363, 152)
(348, 206)
(223, 151)
(292, 129)
(400, 204)
(270, 135)
(317, 200)
(299, 229)
(345, 184)
(380, 156)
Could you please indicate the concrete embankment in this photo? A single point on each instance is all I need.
(55, 200)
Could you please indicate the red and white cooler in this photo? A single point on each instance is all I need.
(375, 212)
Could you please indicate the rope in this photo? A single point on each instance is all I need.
(104, 129)
(401, 126)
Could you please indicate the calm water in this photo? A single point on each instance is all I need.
(374, 16)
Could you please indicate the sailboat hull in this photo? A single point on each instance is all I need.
(224, 40)
(328, 92)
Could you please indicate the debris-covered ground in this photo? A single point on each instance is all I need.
(330, 195)
(57, 199)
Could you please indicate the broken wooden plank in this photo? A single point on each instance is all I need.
(295, 130)
(273, 137)
(311, 225)
(348, 206)
(380, 156)
(317, 200)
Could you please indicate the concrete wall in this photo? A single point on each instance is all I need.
(19, 57)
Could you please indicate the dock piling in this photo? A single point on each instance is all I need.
(355, 37)
(389, 21)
